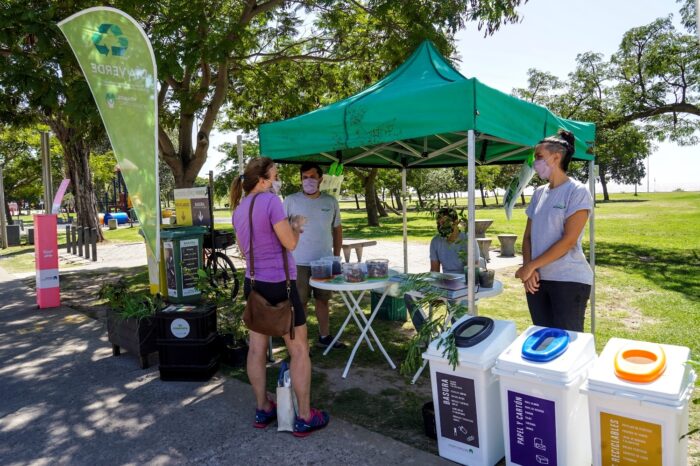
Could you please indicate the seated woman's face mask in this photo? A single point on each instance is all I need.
(444, 226)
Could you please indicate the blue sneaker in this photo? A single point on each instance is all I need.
(317, 420)
(264, 418)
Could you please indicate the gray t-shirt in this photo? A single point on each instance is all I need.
(548, 211)
(448, 253)
(322, 215)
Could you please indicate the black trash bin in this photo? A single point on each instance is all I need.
(187, 342)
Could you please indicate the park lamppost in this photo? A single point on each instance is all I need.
(46, 171)
(3, 220)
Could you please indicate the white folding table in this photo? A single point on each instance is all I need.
(352, 294)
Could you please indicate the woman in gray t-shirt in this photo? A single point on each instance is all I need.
(555, 273)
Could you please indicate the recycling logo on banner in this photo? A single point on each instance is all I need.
(109, 37)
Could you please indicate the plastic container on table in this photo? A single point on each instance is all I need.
(321, 269)
(466, 398)
(545, 416)
(354, 272)
(377, 268)
(337, 267)
(638, 397)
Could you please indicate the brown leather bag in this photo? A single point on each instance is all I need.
(259, 315)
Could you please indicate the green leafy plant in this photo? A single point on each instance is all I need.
(434, 326)
(696, 401)
(229, 312)
(128, 304)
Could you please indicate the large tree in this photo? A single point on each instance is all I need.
(41, 82)
(268, 57)
(648, 90)
(21, 164)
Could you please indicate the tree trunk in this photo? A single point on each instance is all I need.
(438, 199)
(522, 198)
(604, 183)
(391, 198)
(371, 198)
(187, 160)
(420, 199)
(76, 155)
(8, 215)
(495, 195)
(399, 203)
(483, 199)
(357, 202)
(380, 207)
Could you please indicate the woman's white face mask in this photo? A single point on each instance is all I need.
(543, 169)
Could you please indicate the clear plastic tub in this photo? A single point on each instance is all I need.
(321, 269)
(335, 260)
(354, 272)
(378, 268)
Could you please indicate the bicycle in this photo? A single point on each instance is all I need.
(218, 265)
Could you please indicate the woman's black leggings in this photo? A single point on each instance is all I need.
(559, 304)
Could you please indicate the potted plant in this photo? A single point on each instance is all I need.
(233, 334)
(130, 321)
(431, 326)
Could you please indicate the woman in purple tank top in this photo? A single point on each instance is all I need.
(271, 232)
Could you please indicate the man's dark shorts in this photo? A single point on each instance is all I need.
(305, 291)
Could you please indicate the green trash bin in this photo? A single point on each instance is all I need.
(392, 308)
(182, 255)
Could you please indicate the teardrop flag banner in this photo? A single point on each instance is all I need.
(118, 63)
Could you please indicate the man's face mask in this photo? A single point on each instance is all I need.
(444, 227)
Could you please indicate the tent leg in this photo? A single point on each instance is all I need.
(471, 278)
(405, 226)
(591, 226)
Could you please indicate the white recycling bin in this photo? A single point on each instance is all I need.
(638, 395)
(466, 398)
(545, 417)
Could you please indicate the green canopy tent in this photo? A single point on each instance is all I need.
(424, 114)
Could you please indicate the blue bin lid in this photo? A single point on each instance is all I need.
(533, 350)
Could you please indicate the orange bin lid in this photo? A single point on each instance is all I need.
(641, 363)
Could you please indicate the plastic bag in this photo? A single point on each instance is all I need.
(331, 184)
(286, 400)
(333, 180)
(518, 184)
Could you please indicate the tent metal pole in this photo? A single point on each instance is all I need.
(239, 152)
(591, 235)
(471, 181)
(3, 220)
(405, 225)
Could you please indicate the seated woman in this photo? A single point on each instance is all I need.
(448, 249)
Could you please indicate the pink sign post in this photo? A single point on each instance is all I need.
(46, 255)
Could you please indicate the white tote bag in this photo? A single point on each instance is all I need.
(286, 401)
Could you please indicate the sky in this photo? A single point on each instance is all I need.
(550, 35)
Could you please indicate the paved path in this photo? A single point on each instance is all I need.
(66, 400)
(134, 254)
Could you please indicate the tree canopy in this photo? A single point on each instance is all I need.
(648, 90)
